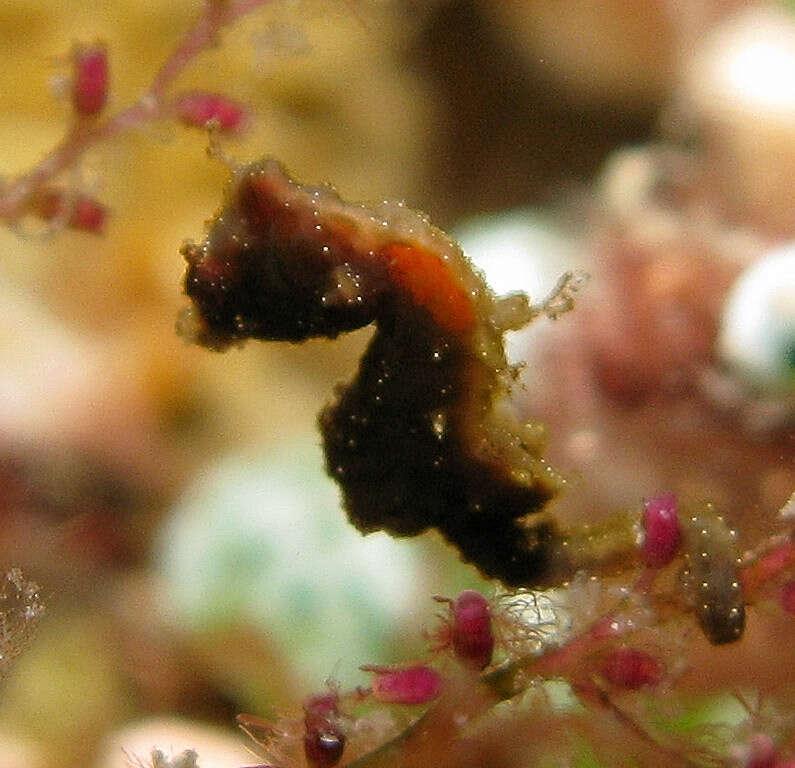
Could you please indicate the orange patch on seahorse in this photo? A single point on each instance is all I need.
(428, 280)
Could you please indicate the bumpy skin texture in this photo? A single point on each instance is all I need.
(417, 439)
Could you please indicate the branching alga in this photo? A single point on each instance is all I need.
(37, 192)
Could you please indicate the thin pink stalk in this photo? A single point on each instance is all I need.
(203, 35)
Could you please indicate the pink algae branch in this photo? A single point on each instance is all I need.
(90, 85)
(608, 664)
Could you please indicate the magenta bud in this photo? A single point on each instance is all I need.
(630, 668)
(89, 79)
(405, 685)
(200, 109)
(77, 211)
(660, 531)
(473, 639)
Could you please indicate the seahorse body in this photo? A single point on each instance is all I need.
(422, 436)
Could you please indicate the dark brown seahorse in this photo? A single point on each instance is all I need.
(423, 437)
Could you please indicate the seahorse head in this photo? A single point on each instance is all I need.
(271, 268)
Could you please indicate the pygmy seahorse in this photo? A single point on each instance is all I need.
(423, 436)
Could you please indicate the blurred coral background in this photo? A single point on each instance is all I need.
(171, 503)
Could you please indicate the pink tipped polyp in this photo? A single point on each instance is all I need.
(661, 531)
(405, 685)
